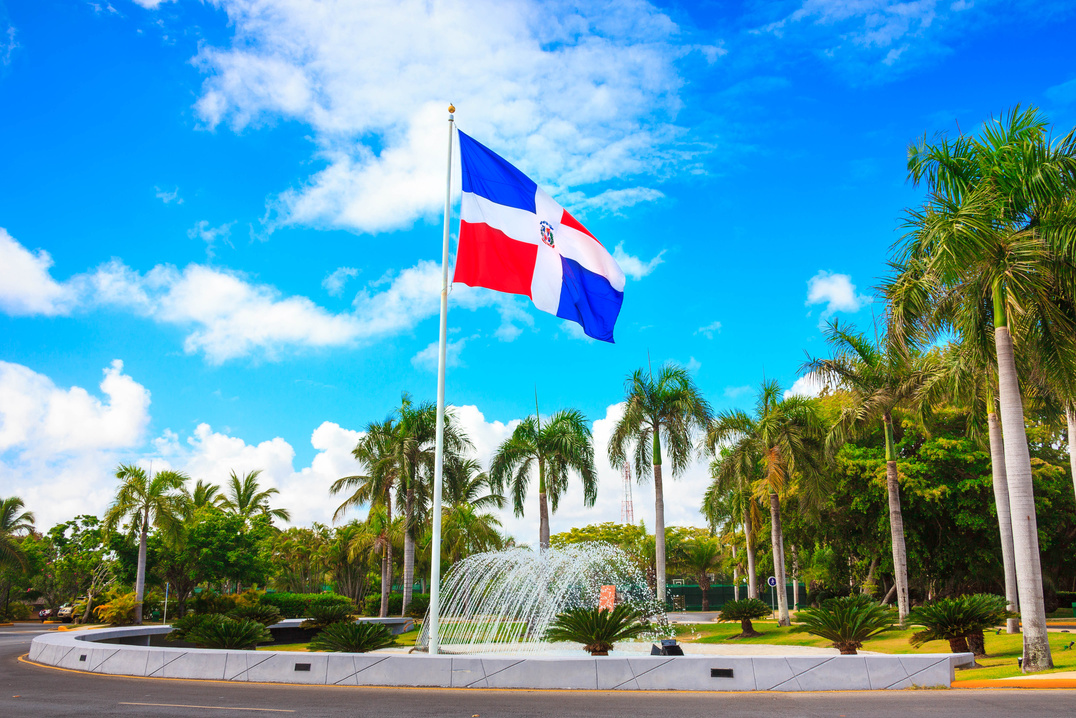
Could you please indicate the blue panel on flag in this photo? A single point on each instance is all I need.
(589, 299)
(489, 175)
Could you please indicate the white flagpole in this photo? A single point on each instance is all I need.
(439, 465)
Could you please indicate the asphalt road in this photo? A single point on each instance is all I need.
(29, 691)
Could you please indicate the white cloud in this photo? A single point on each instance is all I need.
(836, 291)
(26, 286)
(693, 365)
(8, 45)
(611, 201)
(59, 446)
(1063, 94)
(633, 266)
(709, 330)
(735, 392)
(573, 93)
(168, 197)
(809, 385)
(334, 282)
(151, 4)
(427, 358)
(211, 235)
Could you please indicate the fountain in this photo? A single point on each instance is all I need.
(504, 601)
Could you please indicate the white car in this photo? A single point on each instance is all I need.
(66, 613)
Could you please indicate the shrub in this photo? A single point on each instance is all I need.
(250, 597)
(298, 605)
(229, 633)
(183, 627)
(120, 611)
(265, 615)
(597, 629)
(209, 601)
(745, 610)
(956, 619)
(847, 621)
(322, 616)
(420, 603)
(16, 611)
(352, 637)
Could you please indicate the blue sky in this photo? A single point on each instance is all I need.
(221, 220)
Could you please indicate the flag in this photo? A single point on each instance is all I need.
(515, 238)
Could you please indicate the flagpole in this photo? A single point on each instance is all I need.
(439, 463)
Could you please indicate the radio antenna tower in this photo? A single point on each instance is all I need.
(627, 510)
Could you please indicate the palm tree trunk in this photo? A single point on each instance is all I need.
(896, 520)
(659, 532)
(1022, 504)
(1070, 419)
(1001, 501)
(140, 575)
(409, 548)
(752, 574)
(735, 577)
(386, 561)
(795, 580)
(778, 539)
(543, 509)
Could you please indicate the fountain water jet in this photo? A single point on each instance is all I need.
(504, 601)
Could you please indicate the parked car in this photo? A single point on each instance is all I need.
(66, 613)
(44, 613)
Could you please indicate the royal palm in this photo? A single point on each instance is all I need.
(553, 449)
(14, 521)
(659, 412)
(147, 500)
(247, 499)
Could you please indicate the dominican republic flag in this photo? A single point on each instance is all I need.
(515, 238)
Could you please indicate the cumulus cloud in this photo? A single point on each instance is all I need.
(808, 385)
(26, 284)
(334, 282)
(836, 292)
(508, 65)
(633, 266)
(59, 446)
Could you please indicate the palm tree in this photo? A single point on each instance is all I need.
(374, 453)
(700, 558)
(787, 436)
(666, 411)
(464, 482)
(13, 521)
(147, 500)
(992, 244)
(467, 530)
(730, 501)
(877, 379)
(561, 446)
(414, 452)
(205, 494)
(246, 498)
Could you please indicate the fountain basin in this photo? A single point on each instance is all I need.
(85, 650)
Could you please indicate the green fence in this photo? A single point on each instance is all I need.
(718, 595)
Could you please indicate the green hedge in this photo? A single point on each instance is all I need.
(420, 603)
(298, 605)
(1065, 599)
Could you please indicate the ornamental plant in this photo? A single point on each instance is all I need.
(349, 637)
(745, 610)
(120, 611)
(265, 615)
(959, 620)
(230, 633)
(847, 621)
(183, 627)
(322, 616)
(597, 629)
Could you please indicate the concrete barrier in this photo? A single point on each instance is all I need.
(97, 652)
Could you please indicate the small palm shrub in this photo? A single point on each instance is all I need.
(349, 637)
(959, 620)
(120, 611)
(597, 629)
(265, 615)
(847, 621)
(322, 616)
(745, 610)
(183, 627)
(209, 601)
(229, 633)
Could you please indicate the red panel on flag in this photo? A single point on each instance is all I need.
(570, 221)
(489, 258)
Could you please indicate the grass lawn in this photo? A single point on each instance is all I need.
(1002, 650)
(404, 639)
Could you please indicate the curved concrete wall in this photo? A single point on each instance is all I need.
(83, 650)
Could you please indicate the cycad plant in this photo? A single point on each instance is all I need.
(745, 610)
(597, 629)
(322, 616)
(260, 613)
(847, 621)
(352, 638)
(229, 633)
(957, 619)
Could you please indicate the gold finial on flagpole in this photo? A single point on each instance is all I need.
(451, 108)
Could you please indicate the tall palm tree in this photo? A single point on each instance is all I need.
(787, 434)
(468, 530)
(247, 499)
(667, 410)
(414, 445)
(205, 494)
(990, 245)
(700, 558)
(146, 500)
(464, 482)
(374, 452)
(560, 446)
(729, 500)
(13, 522)
(877, 378)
